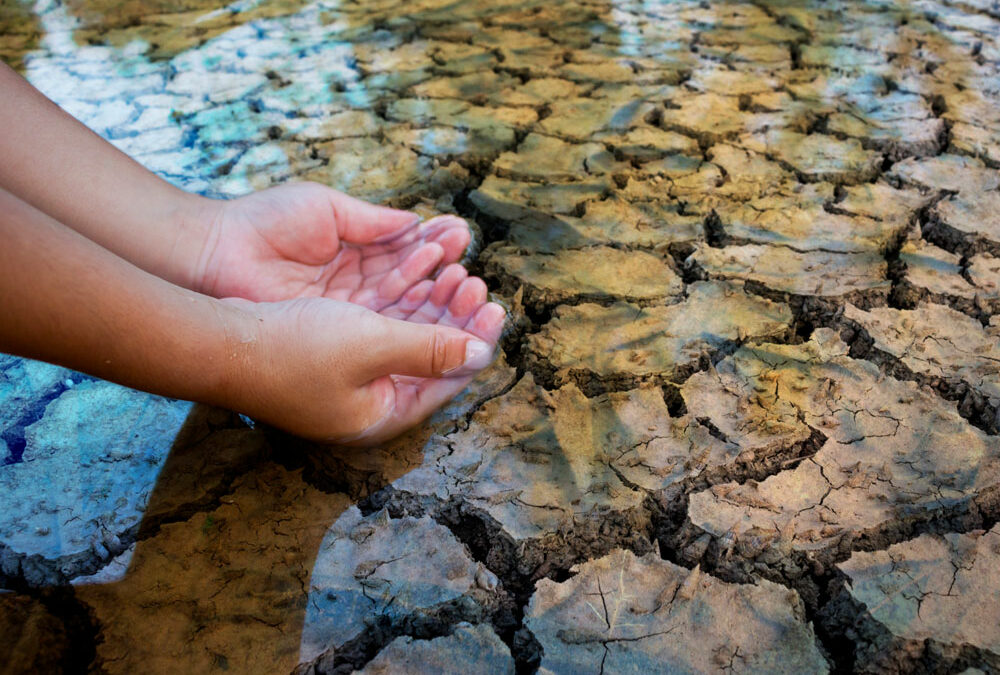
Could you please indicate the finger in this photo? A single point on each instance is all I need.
(469, 296)
(487, 323)
(360, 222)
(454, 241)
(444, 289)
(425, 350)
(410, 302)
(415, 268)
(447, 283)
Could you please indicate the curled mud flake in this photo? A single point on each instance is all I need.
(406, 569)
(806, 225)
(641, 612)
(545, 158)
(464, 651)
(817, 157)
(953, 173)
(748, 174)
(972, 214)
(936, 341)
(894, 453)
(584, 118)
(933, 270)
(923, 603)
(898, 123)
(652, 223)
(623, 342)
(984, 272)
(808, 273)
(599, 273)
(884, 202)
(547, 454)
(99, 480)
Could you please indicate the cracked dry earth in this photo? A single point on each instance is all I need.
(746, 414)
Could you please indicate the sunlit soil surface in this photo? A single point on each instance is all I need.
(746, 414)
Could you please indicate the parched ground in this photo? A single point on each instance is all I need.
(747, 415)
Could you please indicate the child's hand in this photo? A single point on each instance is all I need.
(306, 240)
(337, 372)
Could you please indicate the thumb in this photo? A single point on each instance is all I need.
(427, 350)
(360, 222)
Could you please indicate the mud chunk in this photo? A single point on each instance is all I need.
(514, 200)
(937, 341)
(808, 273)
(451, 112)
(544, 463)
(954, 173)
(628, 613)
(35, 641)
(675, 176)
(799, 220)
(98, 448)
(976, 140)
(749, 174)
(900, 123)
(370, 169)
(894, 452)
(597, 273)
(465, 651)
(708, 117)
(647, 143)
(975, 128)
(447, 142)
(817, 157)
(623, 342)
(730, 82)
(544, 158)
(881, 201)
(936, 590)
(379, 568)
(973, 213)
(638, 223)
(934, 270)
(582, 118)
(464, 87)
(984, 270)
(537, 462)
(536, 92)
(224, 587)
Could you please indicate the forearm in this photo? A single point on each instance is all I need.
(55, 163)
(66, 300)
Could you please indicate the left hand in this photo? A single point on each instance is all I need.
(303, 240)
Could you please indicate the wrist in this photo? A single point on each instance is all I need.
(237, 356)
(194, 221)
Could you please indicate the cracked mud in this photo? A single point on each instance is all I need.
(747, 414)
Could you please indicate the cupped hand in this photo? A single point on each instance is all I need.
(337, 372)
(303, 240)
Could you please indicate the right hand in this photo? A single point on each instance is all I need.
(337, 372)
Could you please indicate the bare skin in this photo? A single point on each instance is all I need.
(300, 306)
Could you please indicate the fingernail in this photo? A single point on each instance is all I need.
(478, 355)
